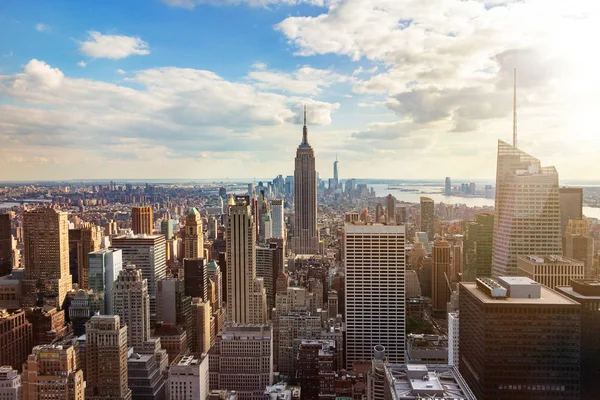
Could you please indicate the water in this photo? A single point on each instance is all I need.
(435, 193)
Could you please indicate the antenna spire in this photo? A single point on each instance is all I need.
(515, 110)
(305, 130)
(305, 115)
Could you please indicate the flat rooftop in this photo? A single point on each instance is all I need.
(581, 296)
(426, 381)
(549, 259)
(548, 296)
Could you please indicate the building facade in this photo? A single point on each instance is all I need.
(428, 217)
(132, 304)
(104, 268)
(141, 220)
(551, 271)
(441, 276)
(194, 236)
(16, 338)
(189, 378)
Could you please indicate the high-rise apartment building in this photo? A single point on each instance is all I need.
(242, 360)
(6, 245)
(189, 378)
(587, 293)
(104, 268)
(10, 384)
(51, 373)
(427, 217)
(551, 271)
(106, 359)
(390, 209)
(527, 211)
(306, 238)
(571, 206)
(374, 256)
(132, 303)
(46, 253)
(16, 338)
(440, 279)
(519, 340)
(141, 220)
(148, 253)
(477, 249)
(82, 241)
(194, 236)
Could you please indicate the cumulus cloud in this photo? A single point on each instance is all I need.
(112, 46)
(190, 4)
(305, 80)
(41, 27)
(82, 64)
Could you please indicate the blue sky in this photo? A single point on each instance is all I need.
(211, 89)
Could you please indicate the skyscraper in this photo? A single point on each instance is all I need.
(440, 292)
(104, 268)
(106, 358)
(82, 241)
(448, 187)
(16, 338)
(132, 303)
(306, 239)
(427, 217)
(374, 256)
(390, 209)
(141, 220)
(6, 245)
(336, 178)
(195, 277)
(527, 212)
(46, 250)
(477, 252)
(277, 219)
(571, 206)
(194, 239)
(579, 245)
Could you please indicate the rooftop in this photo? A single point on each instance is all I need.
(582, 289)
(547, 296)
(417, 381)
(549, 259)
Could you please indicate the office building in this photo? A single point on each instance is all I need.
(453, 338)
(277, 219)
(289, 329)
(145, 378)
(527, 211)
(132, 303)
(6, 245)
(148, 253)
(189, 378)
(519, 340)
(106, 359)
(551, 271)
(10, 384)
(423, 381)
(390, 209)
(141, 220)
(166, 227)
(477, 248)
(379, 214)
(266, 268)
(82, 306)
(571, 206)
(82, 241)
(194, 236)
(375, 258)
(305, 239)
(440, 279)
(587, 293)
(316, 366)
(173, 339)
(104, 268)
(46, 253)
(201, 322)
(579, 245)
(11, 290)
(427, 217)
(336, 177)
(16, 338)
(426, 349)
(48, 324)
(51, 373)
(249, 348)
(195, 277)
(448, 186)
(215, 297)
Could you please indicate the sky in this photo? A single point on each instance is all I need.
(200, 89)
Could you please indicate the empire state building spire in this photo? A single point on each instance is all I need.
(305, 131)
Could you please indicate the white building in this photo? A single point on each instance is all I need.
(453, 338)
(104, 268)
(10, 384)
(277, 219)
(189, 379)
(374, 257)
(131, 302)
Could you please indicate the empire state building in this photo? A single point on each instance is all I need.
(305, 239)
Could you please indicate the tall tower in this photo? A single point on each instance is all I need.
(46, 250)
(336, 177)
(440, 292)
(141, 220)
(427, 217)
(82, 241)
(277, 219)
(106, 358)
(374, 256)
(132, 303)
(6, 245)
(527, 216)
(194, 241)
(390, 209)
(306, 239)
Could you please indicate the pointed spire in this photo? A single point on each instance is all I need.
(515, 110)
(305, 131)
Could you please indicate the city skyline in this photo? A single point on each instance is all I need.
(98, 91)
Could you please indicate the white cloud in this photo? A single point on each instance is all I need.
(190, 4)
(121, 72)
(305, 80)
(82, 64)
(42, 27)
(113, 46)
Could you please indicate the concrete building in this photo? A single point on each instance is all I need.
(11, 290)
(189, 378)
(106, 359)
(427, 217)
(10, 384)
(527, 210)
(420, 381)
(426, 349)
(266, 268)
(579, 245)
(453, 338)
(305, 239)
(16, 338)
(587, 293)
(194, 236)
(390, 209)
(148, 253)
(316, 365)
(289, 330)
(375, 258)
(242, 360)
(506, 349)
(46, 253)
(440, 279)
(145, 378)
(51, 373)
(82, 241)
(132, 303)
(477, 249)
(571, 206)
(48, 324)
(173, 339)
(141, 220)
(277, 219)
(104, 268)
(201, 322)
(551, 271)
(6, 245)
